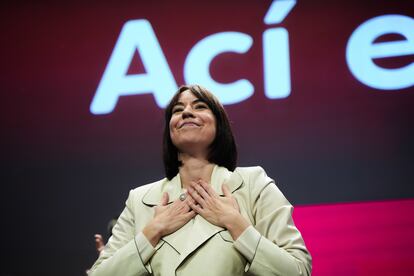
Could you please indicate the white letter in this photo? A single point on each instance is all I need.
(278, 11)
(158, 79)
(276, 61)
(361, 50)
(197, 64)
(276, 65)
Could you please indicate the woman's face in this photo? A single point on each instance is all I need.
(192, 124)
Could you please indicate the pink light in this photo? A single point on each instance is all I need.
(374, 238)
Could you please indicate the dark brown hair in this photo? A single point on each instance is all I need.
(223, 151)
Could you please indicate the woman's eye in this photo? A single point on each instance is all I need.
(200, 106)
(175, 110)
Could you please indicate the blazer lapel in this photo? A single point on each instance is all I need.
(154, 194)
(200, 232)
(178, 239)
(222, 176)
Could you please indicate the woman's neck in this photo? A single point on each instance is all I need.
(194, 169)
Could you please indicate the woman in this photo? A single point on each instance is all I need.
(207, 217)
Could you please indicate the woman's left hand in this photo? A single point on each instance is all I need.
(220, 211)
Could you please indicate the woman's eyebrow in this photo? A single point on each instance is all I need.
(193, 102)
(198, 101)
(178, 103)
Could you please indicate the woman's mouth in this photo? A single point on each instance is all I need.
(189, 124)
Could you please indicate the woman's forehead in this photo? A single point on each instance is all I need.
(187, 97)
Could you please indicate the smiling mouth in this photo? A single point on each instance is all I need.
(189, 124)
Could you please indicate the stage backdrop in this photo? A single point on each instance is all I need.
(320, 94)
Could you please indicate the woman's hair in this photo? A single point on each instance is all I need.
(223, 151)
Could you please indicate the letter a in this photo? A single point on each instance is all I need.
(158, 79)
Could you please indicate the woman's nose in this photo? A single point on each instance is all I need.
(187, 112)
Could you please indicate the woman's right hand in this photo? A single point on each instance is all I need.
(168, 219)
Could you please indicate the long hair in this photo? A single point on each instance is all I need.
(222, 151)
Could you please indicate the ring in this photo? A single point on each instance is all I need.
(183, 196)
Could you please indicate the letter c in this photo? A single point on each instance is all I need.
(197, 65)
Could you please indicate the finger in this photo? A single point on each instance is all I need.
(184, 208)
(98, 238)
(164, 199)
(192, 213)
(188, 216)
(200, 190)
(208, 188)
(190, 199)
(196, 208)
(191, 202)
(196, 196)
(226, 190)
(99, 242)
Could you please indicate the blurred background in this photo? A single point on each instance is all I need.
(326, 108)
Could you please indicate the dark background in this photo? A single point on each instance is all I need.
(66, 172)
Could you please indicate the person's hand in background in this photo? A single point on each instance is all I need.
(99, 243)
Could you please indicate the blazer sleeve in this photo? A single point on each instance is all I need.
(277, 245)
(123, 252)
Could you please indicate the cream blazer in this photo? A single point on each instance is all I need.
(272, 246)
